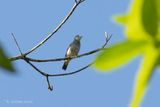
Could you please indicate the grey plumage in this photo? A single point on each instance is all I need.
(72, 50)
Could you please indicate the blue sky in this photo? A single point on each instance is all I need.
(31, 21)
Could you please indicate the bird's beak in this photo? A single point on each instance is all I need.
(81, 37)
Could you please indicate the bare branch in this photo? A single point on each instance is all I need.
(73, 57)
(47, 75)
(62, 74)
(62, 59)
(50, 87)
(52, 33)
(33, 66)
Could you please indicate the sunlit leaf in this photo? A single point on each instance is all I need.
(158, 61)
(122, 19)
(143, 76)
(4, 62)
(119, 54)
(142, 22)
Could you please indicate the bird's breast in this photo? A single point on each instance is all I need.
(69, 51)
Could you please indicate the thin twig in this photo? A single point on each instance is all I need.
(107, 39)
(52, 33)
(14, 38)
(50, 87)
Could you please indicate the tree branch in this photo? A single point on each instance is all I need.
(50, 87)
(47, 75)
(28, 60)
(65, 58)
(33, 66)
(51, 34)
(56, 75)
(73, 57)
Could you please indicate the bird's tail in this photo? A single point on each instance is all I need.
(66, 62)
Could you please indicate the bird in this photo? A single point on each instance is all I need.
(72, 50)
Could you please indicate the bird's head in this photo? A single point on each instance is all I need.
(77, 38)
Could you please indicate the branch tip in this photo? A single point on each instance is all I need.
(107, 39)
(15, 40)
(50, 87)
(107, 35)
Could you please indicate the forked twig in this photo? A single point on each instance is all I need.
(28, 60)
(50, 87)
(47, 75)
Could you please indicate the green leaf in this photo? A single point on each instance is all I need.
(158, 11)
(119, 54)
(122, 19)
(150, 17)
(142, 22)
(144, 75)
(4, 62)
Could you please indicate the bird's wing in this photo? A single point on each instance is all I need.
(72, 50)
(68, 50)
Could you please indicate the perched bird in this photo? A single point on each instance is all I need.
(72, 50)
